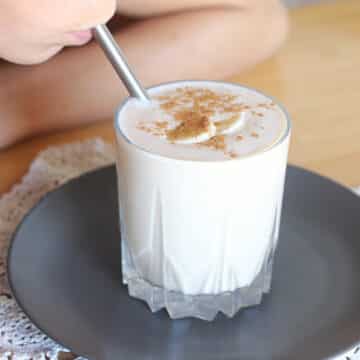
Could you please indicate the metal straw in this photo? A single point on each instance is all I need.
(117, 59)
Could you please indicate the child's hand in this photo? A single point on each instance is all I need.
(31, 31)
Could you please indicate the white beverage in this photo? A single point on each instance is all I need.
(200, 218)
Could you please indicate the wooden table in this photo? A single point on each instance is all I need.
(316, 75)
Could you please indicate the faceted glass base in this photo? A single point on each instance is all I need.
(204, 307)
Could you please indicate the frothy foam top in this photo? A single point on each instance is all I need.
(205, 121)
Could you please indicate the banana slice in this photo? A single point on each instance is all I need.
(199, 129)
(194, 131)
(229, 126)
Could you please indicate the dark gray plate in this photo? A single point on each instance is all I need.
(64, 269)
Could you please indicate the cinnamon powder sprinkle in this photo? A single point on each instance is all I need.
(199, 100)
(256, 113)
(161, 124)
(158, 128)
(233, 155)
(190, 127)
(168, 105)
(192, 109)
(216, 143)
(266, 105)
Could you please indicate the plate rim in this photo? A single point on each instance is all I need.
(43, 198)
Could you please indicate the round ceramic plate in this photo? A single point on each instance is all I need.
(64, 270)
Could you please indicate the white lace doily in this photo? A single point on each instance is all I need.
(19, 338)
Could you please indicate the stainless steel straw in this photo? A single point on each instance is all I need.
(116, 57)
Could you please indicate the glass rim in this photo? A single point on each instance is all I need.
(278, 142)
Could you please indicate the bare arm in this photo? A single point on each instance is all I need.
(136, 8)
(78, 86)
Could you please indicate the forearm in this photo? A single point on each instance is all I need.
(146, 8)
(79, 86)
